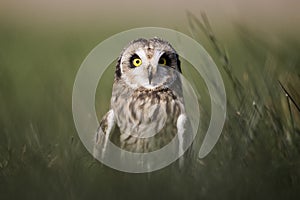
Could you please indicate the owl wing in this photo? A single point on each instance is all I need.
(103, 133)
(185, 136)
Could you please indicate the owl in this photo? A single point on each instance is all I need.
(147, 106)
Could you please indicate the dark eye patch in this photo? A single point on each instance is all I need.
(134, 56)
(167, 59)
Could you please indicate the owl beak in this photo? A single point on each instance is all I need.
(151, 71)
(149, 76)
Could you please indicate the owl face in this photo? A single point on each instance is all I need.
(149, 64)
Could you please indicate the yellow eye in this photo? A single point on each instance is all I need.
(137, 62)
(162, 61)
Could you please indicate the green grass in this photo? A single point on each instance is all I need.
(41, 156)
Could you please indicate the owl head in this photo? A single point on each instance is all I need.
(148, 63)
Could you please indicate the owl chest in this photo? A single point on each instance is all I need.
(145, 114)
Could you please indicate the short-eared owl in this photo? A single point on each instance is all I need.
(147, 108)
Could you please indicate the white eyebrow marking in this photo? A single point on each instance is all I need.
(141, 53)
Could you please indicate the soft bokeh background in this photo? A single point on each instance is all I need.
(255, 44)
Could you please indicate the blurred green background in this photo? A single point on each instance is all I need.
(255, 45)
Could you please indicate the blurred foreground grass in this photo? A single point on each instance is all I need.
(41, 156)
